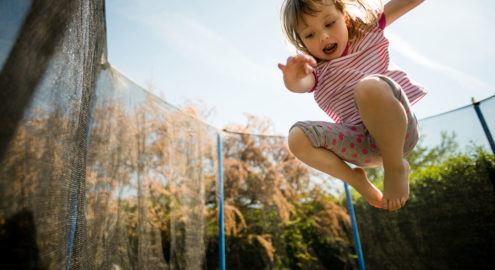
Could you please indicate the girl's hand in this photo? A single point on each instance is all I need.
(298, 66)
(298, 73)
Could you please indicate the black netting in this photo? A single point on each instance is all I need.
(449, 219)
(47, 84)
(279, 213)
(463, 124)
(151, 181)
(97, 173)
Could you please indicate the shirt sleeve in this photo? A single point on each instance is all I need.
(382, 22)
(316, 82)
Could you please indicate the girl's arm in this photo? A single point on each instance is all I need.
(394, 9)
(298, 73)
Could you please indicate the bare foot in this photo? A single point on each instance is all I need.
(372, 194)
(396, 187)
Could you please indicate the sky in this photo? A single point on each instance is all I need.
(223, 55)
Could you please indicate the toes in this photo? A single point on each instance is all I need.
(393, 205)
(390, 205)
(398, 203)
(386, 204)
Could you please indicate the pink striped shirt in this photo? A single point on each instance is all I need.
(335, 79)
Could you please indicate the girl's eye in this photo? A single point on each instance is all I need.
(329, 24)
(309, 35)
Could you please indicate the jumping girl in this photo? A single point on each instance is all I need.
(344, 62)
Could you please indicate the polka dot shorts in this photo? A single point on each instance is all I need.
(353, 143)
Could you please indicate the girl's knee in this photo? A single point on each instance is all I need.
(370, 88)
(298, 141)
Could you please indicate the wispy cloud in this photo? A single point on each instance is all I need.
(200, 44)
(401, 46)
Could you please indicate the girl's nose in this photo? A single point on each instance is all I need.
(323, 37)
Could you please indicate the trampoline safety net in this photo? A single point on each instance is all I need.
(95, 172)
(98, 173)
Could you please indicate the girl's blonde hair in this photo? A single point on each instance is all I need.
(360, 15)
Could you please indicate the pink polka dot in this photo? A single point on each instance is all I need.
(373, 146)
(360, 135)
(326, 146)
(354, 155)
(341, 136)
(365, 151)
(337, 127)
(367, 161)
(354, 128)
(407, 136)
(352, 145)
(411, 144)
(334, 142)
(329, 128)
(343, 150)
(359, 140)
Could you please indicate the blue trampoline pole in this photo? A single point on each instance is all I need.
(354, 227)
(221, 232)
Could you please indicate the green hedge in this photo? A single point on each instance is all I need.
(448, 222)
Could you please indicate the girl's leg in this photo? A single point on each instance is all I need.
(327, 162)
(385, 118)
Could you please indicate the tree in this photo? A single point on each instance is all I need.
(276, 216)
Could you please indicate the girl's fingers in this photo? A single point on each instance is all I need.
(312, 61)
(307, 69)
(303, 62)
(306, 59)
(291, 60)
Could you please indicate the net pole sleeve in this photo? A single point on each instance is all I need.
(221, 232)
(354, 227)
(73, 222)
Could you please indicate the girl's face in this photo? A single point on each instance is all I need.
(324, 34)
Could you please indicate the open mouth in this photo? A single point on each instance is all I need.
(330, 48)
